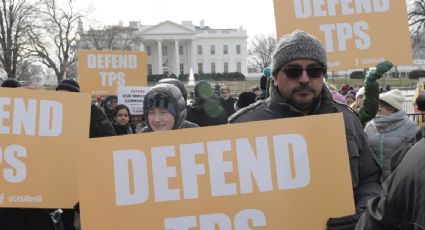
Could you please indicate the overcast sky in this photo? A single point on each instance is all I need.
(256, 16)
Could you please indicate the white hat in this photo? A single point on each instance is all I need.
(394, 98)
(360, 92)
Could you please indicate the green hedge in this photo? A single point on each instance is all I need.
(357, 75)
(234, 76)
(416, 74)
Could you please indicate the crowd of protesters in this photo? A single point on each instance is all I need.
(386, 149)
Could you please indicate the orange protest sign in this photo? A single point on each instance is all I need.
(355, 34)
(278, 174)
(101, 72)
(39, 131)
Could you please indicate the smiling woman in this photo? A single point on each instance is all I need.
(165, 109)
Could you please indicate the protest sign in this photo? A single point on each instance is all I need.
(39, 132)
(278, 174)
(132, 97)
(355, 34)
(101, 72)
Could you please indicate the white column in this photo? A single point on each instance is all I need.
(160, 70)
(141, 46)
(177, 58)
(193, 52)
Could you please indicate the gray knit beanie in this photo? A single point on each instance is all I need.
(298, 45)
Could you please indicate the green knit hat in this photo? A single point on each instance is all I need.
(298, 45)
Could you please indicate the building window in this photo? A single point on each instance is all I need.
(149, 50)
(212, 49)
(181, 50)
(181, 68)
(149, 69)
(225, 49)
(212, 67)
(226, 67)
(199, 50)
(164, 51)
(200, 67)
(239, 67)
(238, 49)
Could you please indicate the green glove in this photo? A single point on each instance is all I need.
(376, 73)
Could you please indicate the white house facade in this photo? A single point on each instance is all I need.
(177, 48)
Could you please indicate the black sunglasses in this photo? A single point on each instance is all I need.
(295, 71)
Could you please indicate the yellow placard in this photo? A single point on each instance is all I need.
(101, 72)
(355, 34)
(278, 174)
(39, 132)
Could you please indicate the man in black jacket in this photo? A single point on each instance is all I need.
(227, 101)
(298, 66)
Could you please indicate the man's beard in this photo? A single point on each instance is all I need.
(302, 106)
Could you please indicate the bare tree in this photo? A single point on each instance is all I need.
(261, 51)
(110, 38)
(416, 15)
(54, 40)
(16, 17)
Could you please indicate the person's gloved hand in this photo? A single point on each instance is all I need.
(342, 223)
(376, 73)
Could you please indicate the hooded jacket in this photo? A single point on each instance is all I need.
(386, 134)
(176, 99)
(106, 107)
(99, 123)
(205, 110)
(401, 204)
(365, 171)
(228, 105)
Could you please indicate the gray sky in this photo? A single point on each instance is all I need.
(256, 16)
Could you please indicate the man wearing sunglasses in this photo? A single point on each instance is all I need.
(297, 89)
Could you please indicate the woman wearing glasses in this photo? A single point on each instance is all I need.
(165, 109)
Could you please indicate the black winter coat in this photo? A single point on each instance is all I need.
(124, 129)
(365, 171)
(25, 219)
(228, 105)
(99, 123)
(206, 112)
(402, 201)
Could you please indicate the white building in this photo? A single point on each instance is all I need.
(176, 48)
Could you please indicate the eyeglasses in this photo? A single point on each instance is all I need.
(295, 71)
